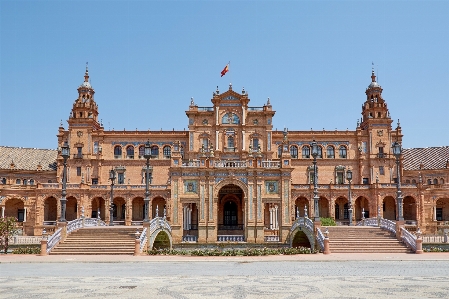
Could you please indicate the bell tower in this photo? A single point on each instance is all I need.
(85, 110)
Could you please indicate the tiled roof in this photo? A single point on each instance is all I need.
(27, 158)
(429, 158)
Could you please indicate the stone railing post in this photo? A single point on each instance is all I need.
(418, 242)
(445, 237)
(399, 225)
(137, 244)
(326, 242)
(316, 226)
(44, 243)
(63, 225)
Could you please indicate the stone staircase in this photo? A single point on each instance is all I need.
(363, 239)
(99, 240)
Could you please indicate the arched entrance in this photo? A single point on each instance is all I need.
(157, 207)
(341, 209)
(119, 210)
(300, 239)
(137, 209)
(442, 209)
(14, 207)
(162, 241)
(324, 207)
(71, 212)
(410, 207)
(230, 210)
(361, 204)
(98, 208)
(50, 210)
(301, 203)
(389, 208)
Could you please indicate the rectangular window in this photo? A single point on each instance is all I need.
(340, 177)
(255, 144)
(365, 181)
(20, 215)
(439, 214)
(121, 178)
(381, 170)
(79, 152)
(381, 152)
(94, 181)
(78, 171)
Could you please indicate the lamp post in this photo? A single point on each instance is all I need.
(147, 155)
(315, 181)
(397, 151)
(111, 206)
(349, 178)
(65, 153)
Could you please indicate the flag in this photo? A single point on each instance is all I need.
(225, 70)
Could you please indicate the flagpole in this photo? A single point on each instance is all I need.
(230, 74)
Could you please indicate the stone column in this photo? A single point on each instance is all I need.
(3, 212)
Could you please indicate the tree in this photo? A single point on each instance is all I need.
(8, 229)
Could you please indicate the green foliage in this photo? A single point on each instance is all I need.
(234, 252)
(8, 229)
(328, 222)
(27, 250)
(436, 249)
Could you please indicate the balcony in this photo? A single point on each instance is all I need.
(189, 239)
(77, 156)
(194, 163)
(230, 164)
(271, 164)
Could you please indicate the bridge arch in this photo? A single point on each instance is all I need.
(300, 231)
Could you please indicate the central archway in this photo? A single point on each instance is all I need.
(230, 210)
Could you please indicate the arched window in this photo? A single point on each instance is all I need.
(18, 182)
(155, 152)
(141, 151)
(413, 181)
(167, 152)
(342, 152)
(117, 151)
(306, 152)
(130, 152)
(320, 152)
(435, 181)
(31, 182)
(429, 182)
(231, 142)
(25, 182)
(330, 152)
(294, 151)
(4, 181)
(182, 152)
(442, 181)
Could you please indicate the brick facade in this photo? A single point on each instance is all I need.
(230, 173)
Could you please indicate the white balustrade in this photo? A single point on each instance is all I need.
(320, 239)
(194, 163)
(231, 238)
(388, 225)
(189, 239)
(74, 225)
(271, 164)
(24, 240)
(271, 238)
(143, 239)
(53, 240)
(230, 164)
(408, 238)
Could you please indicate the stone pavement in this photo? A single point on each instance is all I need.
(299, 276)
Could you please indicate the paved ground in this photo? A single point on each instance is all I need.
(281, 277)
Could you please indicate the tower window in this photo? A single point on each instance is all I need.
(381, 152)
(78, 171)
(306, 152)
(117, 152)
(154, 152)
(141, 151)
(342, 152)
(379, 114)
(330, 152)
(130, 152)
(381, 170)
(320, 152)
(294, 151)
(230, 142)
(167, 152)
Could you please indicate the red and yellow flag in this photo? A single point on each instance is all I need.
(225, 70)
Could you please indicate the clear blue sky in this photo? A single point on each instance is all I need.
(148, 58)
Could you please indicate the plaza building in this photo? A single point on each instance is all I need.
(229, 174)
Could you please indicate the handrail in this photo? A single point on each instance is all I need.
(368, 222)
(53, 240)
(408, 238)
(74, 225)
(143, 239)
(159, 222)
(320, 238)
(388, 225)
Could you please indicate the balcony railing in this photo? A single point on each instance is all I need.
(230, 227)
(230, 238)
(230, 164)
(271, 164)
(194, 163)
(189, 239)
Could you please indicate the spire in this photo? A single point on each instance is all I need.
(86, 74)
